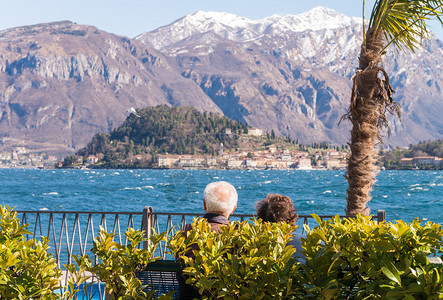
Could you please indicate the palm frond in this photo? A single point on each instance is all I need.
(403, 22)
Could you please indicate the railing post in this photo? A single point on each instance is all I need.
(381, 215)
(147, 224)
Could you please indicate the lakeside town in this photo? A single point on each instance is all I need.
(272, 158)
(275, 159)
(22, 157)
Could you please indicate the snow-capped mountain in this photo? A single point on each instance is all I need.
(291, 73)
(241, 29)
(298, 37)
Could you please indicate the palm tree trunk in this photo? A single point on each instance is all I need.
(364, 114)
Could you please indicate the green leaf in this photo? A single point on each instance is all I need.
(391, 273)
(409, 297)
(384, 246)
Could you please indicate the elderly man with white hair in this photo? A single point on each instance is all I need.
(219, 201)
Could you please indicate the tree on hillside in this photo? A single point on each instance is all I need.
(398, 23)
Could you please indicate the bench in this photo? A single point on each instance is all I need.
(164, 276)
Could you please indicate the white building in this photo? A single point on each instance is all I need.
(234, 163)
(255, 131)
(304, 164)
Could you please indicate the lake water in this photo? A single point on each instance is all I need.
(403, 194)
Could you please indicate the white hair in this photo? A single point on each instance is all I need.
(220, 197)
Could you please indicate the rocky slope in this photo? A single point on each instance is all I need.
(60, 83)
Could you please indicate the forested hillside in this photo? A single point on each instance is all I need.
(434, 148)
(391, 159)
(158, 130)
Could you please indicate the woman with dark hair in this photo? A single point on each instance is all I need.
(278, 208)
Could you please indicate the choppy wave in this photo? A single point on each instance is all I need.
(403, 194)
(138, 188)
(132, 188)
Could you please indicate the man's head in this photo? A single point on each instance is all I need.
(276, 208)
(220, 198)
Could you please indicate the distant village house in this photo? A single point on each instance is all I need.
(92, 159)
(255, 131)
(422, 161)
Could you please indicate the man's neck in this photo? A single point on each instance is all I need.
(216, 216)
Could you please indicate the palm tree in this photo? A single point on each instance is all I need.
(402, 24)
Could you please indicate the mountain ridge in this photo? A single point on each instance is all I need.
(62, 82)
(222, 22)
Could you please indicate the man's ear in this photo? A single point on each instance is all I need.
(204, 204)
(234, 209)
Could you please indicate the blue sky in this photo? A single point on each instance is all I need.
(132, 17)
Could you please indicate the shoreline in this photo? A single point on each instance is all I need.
(213, 169)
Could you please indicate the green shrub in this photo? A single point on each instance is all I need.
(118, 264)
(245, 261)
(77, 277)
(357, 258)
(27, 270)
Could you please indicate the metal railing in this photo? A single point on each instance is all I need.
(73, 232)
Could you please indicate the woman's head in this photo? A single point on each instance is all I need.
(276, 208)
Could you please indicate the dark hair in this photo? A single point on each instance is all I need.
(276, 208)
